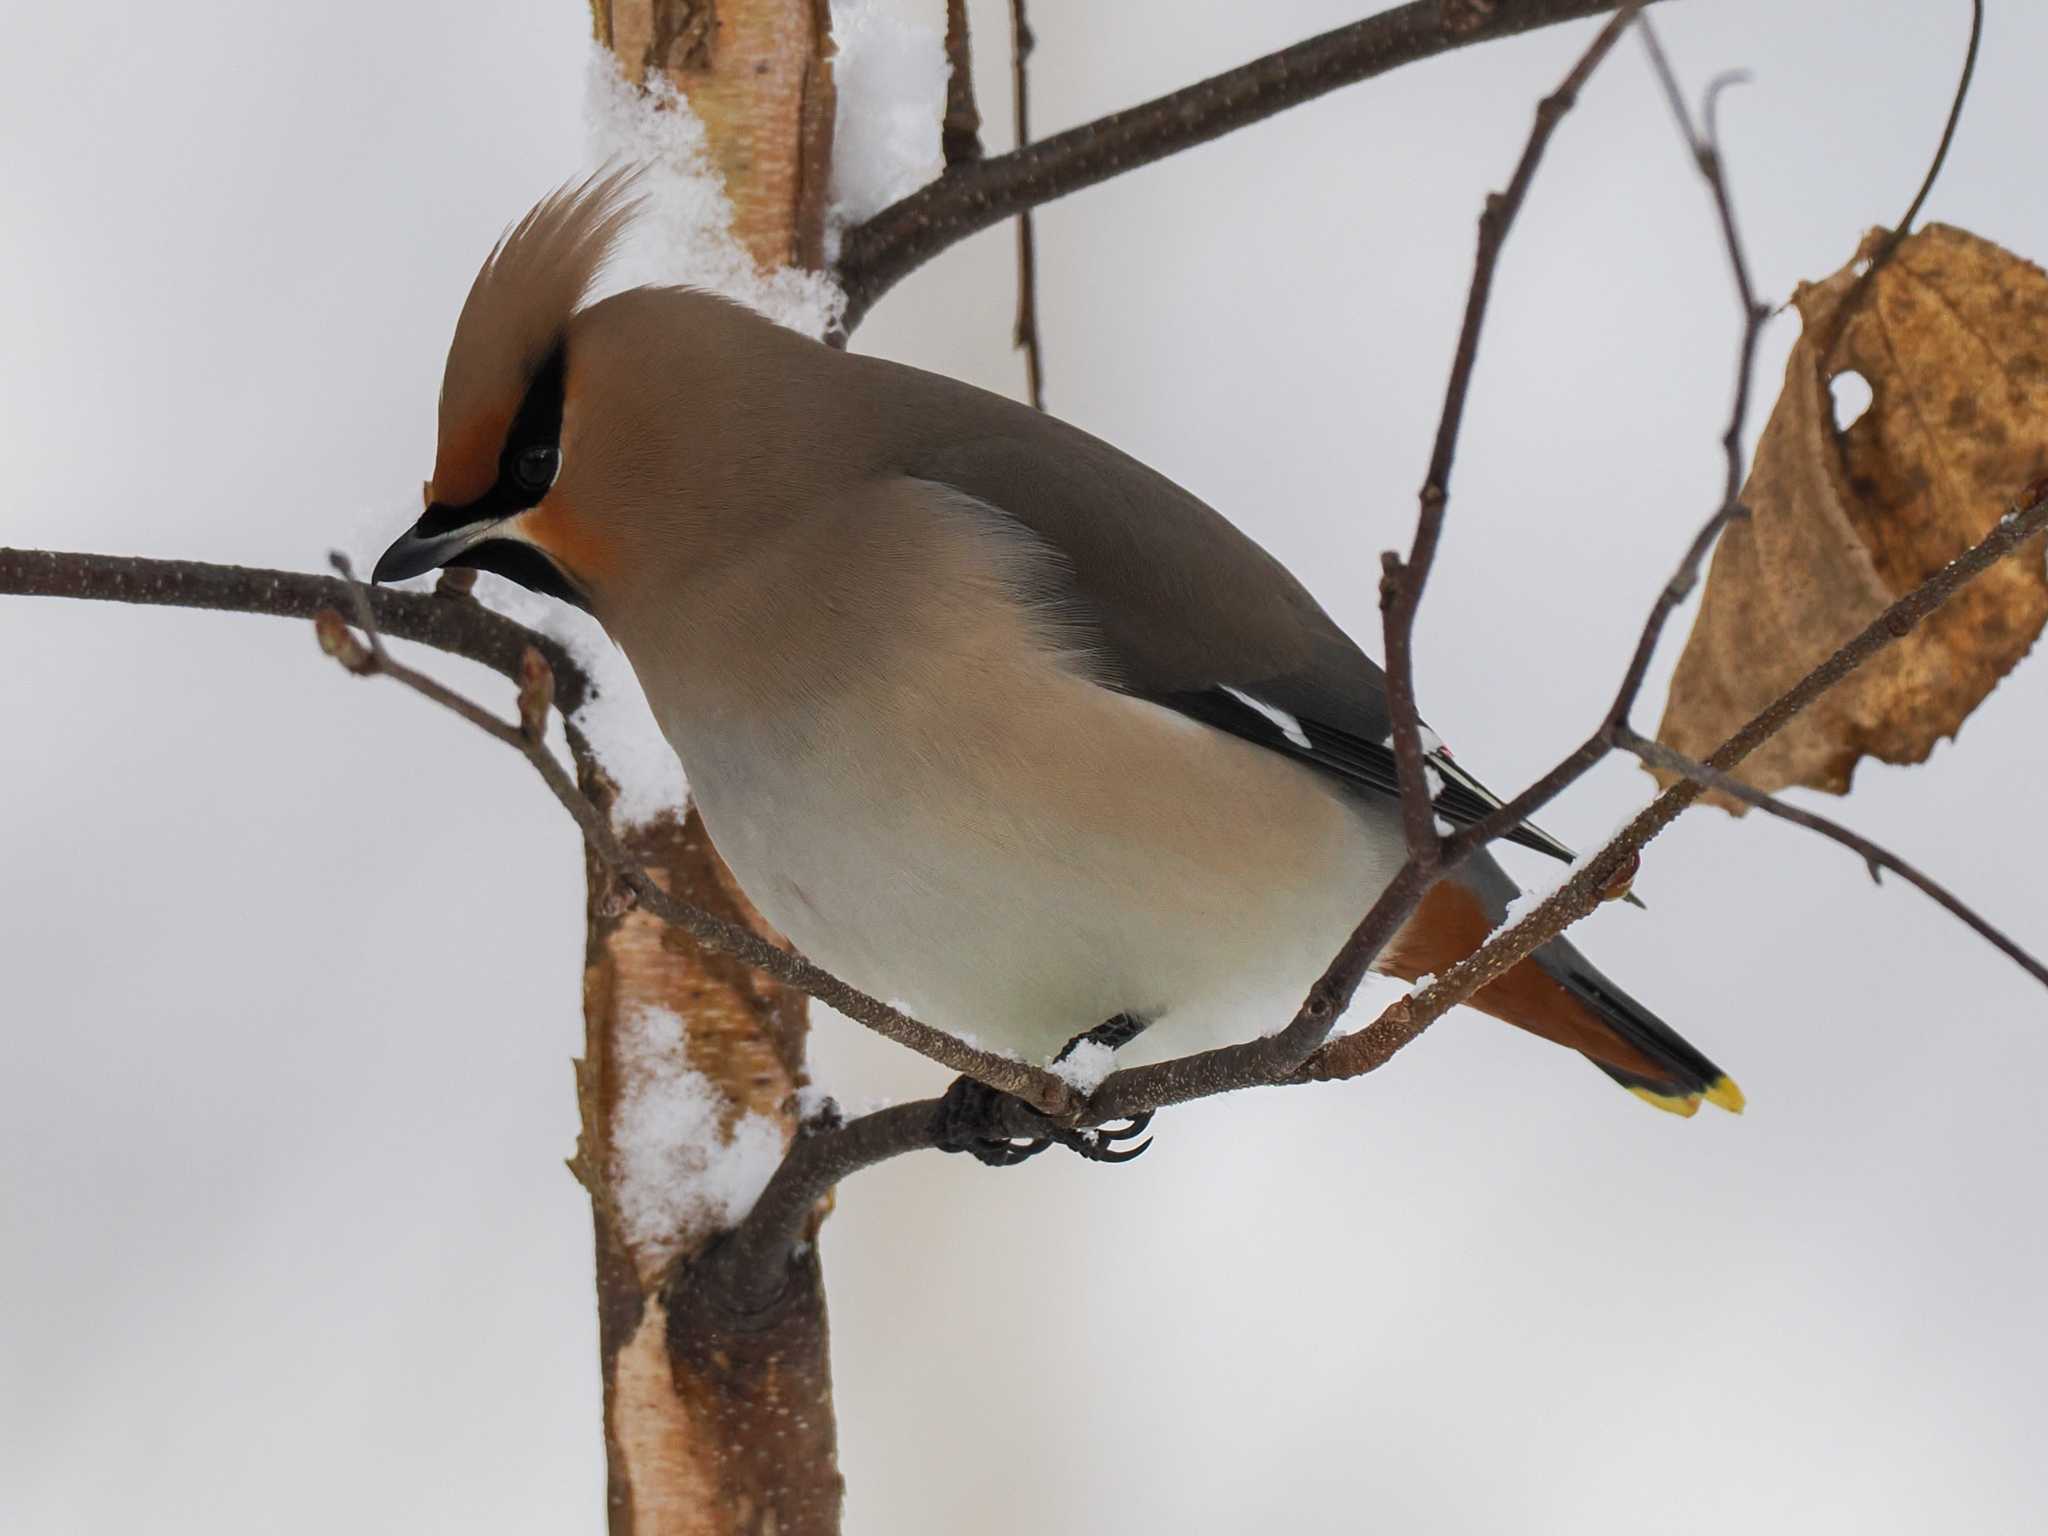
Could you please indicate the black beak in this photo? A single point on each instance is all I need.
(421, 549)
(474, 542)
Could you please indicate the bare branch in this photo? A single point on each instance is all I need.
(453, 624)
(1402, 583)
(1039, 1088)
(960, 129)
(1860, 290)
(1024, 335)
(969, 198)
(1592, 877)
(1278, 1056)
(1948, 132)
(1594, 880)
(1874, 856)
(1706, 155)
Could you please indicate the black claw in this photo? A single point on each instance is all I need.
(1099, 1145)
(968, 1119)
(977, 1119)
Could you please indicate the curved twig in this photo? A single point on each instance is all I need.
(1874, 855)
(1859, 291)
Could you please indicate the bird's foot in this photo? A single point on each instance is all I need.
(1000, 1130)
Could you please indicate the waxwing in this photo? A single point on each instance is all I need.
(985, 715)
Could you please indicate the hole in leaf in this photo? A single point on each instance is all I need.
(1851, 395)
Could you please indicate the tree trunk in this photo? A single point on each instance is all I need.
(713, 1426)
(758, 73)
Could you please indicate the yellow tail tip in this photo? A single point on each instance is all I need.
(1722, 1091)
(1684, 1104)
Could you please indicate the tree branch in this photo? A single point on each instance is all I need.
(745, 1272)
(1860, 289)
(1875, 857)
(1593, 876)
(1038, 1087)
(1024, 335)
(960, 129)
(1705, 149)
(968, 198)
(1402, 583)
(457, 625)
(1278, 1056)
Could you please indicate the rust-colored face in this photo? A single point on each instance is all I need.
(487, 530)
(466, 460)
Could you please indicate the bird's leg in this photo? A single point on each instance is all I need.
(1115, 1033)
(1001, 1130)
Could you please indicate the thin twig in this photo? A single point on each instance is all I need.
(458, 626)
(1948, 132)
(1279, 1056)
(1024, 335)
(969, 198)
(1594, 879)
(960, 129)
(1402, 582)
(1593, 876)
(1875, 857)
(1860, 290)
(1705, 149)
(1037, 1087)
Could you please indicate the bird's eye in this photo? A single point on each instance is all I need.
(536, 467)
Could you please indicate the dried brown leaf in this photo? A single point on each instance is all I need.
(1952, 337)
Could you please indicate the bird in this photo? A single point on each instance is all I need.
(986, 716)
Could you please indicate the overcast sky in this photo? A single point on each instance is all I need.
(291, 963)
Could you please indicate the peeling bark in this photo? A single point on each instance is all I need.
(713, 1425)
(758, 73)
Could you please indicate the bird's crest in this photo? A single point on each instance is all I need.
(514, 318)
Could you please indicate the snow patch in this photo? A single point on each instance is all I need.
(615, 716)
(1085, 1066)
(684, 231)
(1528, 901)
(675, 1171)
(890, 74)
(811, 1102)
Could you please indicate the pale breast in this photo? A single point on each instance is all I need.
(967, 822)
(1033, 859)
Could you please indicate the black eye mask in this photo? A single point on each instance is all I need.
(527, 467)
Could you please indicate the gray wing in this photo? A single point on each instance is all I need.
(1189, 612)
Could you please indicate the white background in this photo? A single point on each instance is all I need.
(289, 964)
